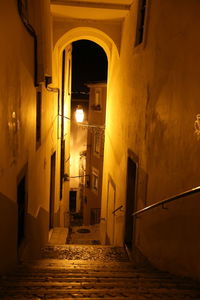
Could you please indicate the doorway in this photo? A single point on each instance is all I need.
(21, 203)
(130, 203)
(52, 190)
(72, 201)
(110, 209)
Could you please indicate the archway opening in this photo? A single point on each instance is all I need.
(89, 87)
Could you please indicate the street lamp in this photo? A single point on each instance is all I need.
(79, 114)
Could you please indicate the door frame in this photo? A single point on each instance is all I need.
(22, 174)
(110, 181)
(73, 192)
(52, 190)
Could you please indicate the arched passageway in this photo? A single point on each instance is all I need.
(93, 172)
(89, 76)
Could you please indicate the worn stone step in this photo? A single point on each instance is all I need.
(132, 297)
(115, 278)
(105, 277)
(93, 279)
(89, 288)
(95, 284)
(59, 264)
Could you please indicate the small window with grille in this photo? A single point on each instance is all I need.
(97, 144)
(97, 100)
(95, 180)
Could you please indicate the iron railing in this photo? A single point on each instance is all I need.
(173, 198)
(119, 208)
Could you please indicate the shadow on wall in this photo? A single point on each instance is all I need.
(178, 227)
(36, 235)
(8, 233)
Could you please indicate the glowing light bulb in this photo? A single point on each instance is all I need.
(79, 114)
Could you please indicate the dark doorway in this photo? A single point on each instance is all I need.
(130, 203)
(52, 190)
(21, 202)
(72, 201)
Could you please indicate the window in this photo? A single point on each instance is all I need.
(95, 180)
(97, 144)
(140, 22)
(97, 100)
(95, 214)
(38, 118)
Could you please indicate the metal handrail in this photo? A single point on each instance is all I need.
(178, 196)
(119, 208)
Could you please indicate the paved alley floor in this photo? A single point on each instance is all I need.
(85, 252)
(84, 235)
(92, 272)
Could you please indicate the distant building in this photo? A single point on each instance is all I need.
(95, 150)
(78, 147)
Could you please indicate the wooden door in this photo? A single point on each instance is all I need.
(21, 202)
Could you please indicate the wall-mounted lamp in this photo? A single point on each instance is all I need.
(79, 114)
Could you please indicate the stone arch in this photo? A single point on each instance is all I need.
(88, 33)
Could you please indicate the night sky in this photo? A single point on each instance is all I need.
(89, 64)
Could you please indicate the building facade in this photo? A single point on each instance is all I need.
(78, 148)
(95, 152)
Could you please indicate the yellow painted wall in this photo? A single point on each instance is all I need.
(18, 136)
(153, 93)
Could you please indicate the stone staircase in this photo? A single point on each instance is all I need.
(92, 272)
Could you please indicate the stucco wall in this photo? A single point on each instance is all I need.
(152, 105)
(18, 139)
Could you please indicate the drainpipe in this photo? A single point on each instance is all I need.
(32, 32)
(62, 146)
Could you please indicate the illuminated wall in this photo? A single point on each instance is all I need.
(152, 108)
(28, 132)
(78, 147)
(95, 150)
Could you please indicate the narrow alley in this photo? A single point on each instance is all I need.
(99, 149)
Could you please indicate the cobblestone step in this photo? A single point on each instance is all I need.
(19, 286)
(93, 279)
